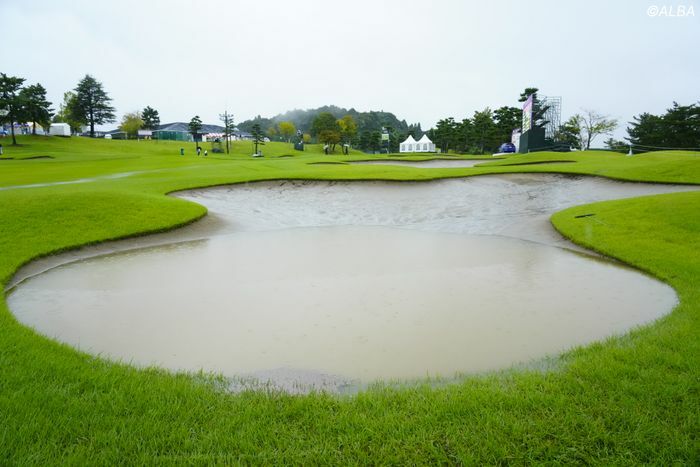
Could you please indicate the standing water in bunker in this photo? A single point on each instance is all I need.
(366, 281)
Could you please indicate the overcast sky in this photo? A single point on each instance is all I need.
(422, 60)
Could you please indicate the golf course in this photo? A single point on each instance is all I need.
(630, 399)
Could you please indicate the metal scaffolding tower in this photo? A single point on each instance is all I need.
(552, 114)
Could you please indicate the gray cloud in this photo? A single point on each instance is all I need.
(420, 60)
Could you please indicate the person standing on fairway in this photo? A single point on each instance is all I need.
(199, 151)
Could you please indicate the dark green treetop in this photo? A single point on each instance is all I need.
(150, 118)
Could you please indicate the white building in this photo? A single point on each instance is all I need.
(422, 145)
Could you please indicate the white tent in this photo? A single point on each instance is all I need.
(59, 129)
(409, 145)
(422, 145)
(425, 145)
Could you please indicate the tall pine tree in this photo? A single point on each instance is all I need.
(150, 118)
(36, 108)
(195, 126)
(229, 127)
(92, 103)
(10, 102)
(258, 138)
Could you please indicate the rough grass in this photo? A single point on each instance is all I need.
(629, 400)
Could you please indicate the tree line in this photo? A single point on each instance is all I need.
(483, 133)
(88, 104)
(20, 103)
(333, 131)
(362, 130)
(677, 128)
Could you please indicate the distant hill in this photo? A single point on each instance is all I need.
(302, 119)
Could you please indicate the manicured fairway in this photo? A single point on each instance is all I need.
(633, 399)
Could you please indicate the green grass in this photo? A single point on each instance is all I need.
(629, 400)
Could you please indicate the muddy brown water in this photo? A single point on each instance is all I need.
(330, 285)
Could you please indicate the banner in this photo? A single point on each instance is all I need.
(527, 114)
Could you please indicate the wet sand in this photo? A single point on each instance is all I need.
(328, 285)
(514, 205)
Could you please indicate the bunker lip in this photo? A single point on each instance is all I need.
(426, 164)
(221, 220)
(563, 161)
